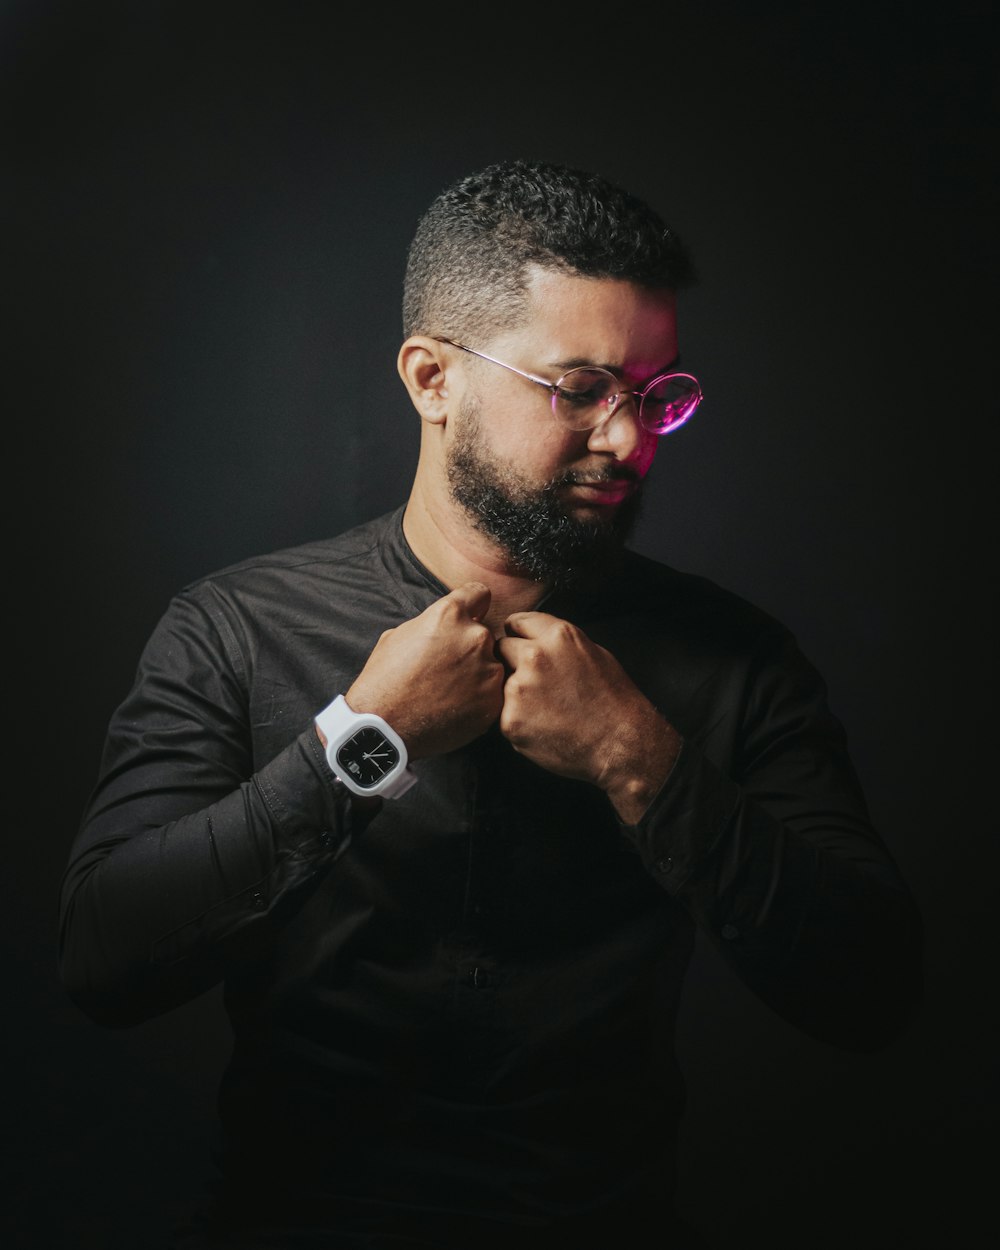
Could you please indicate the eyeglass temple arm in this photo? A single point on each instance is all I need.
(551, 387)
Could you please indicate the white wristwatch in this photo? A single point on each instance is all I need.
(364, 752)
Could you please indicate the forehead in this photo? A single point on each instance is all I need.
(597, 320)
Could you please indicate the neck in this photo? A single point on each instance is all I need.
(447, 543)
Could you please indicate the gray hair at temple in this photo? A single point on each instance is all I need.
(466, 269)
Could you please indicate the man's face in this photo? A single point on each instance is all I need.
(554, 499)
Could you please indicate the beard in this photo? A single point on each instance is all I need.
(529, 523)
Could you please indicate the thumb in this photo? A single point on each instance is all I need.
(473, 598)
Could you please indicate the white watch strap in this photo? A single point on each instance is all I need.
(338, 716)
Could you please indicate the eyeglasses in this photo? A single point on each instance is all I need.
(588, 395)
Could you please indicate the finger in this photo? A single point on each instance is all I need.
(522, 655)
(528, 624)
(505, 650)
(473, 598)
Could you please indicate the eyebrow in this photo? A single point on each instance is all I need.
(579, 362)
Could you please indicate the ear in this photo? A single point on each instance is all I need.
(421, 364)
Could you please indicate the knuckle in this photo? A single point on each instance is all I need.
(441, 609)
(511, 725)
(539, 658)
(514, 686)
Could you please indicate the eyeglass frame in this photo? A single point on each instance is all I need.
(622, 391)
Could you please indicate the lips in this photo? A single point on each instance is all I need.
(601, 492)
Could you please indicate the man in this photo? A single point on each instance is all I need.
(443, 800)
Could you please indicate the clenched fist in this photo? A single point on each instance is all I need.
(435, 678)
(571, 707)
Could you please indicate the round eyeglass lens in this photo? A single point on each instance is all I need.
(584, 397)
(669, 402)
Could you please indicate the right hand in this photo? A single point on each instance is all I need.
(435, 678)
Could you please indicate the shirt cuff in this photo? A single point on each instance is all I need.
(686, 820)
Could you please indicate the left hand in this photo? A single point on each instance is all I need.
(571, 707)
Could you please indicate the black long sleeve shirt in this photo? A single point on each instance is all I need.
(466, 1002)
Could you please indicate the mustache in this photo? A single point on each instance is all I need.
(606, 473)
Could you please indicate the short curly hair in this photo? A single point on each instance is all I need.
(466, 270)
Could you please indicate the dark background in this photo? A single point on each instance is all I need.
(208, 207)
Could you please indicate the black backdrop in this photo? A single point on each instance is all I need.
(208, 206)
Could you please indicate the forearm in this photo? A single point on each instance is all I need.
(152, 912)
(809, 911)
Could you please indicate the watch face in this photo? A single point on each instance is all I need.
(367, 756)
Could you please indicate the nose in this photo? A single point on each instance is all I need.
(621, 433)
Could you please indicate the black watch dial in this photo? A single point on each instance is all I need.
(367, 756)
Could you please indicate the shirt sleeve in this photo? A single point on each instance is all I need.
(776, 860)
(188, 857)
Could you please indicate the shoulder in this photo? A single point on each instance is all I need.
(292, 591)
(700, 648)
(321, 559)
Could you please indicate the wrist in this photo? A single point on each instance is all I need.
(363, 751)
(641, 760)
